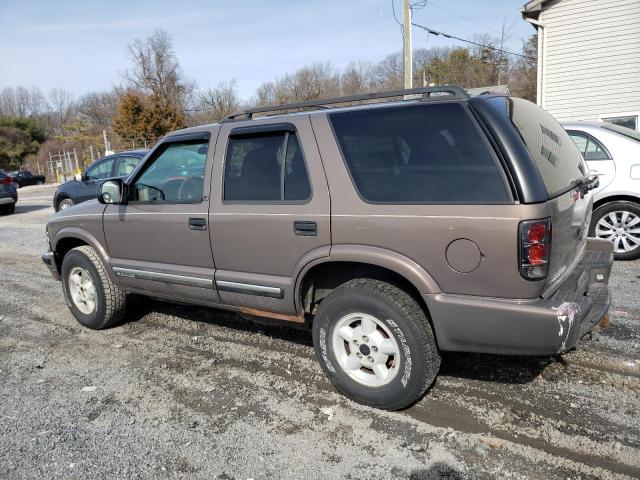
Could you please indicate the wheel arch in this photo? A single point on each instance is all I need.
(345, 262)
(71, 237)
(615, 198)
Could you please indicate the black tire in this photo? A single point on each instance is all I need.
(419, 359)
(110, 300)
(39, 182)
(620, 206)
(8, 209)
(66, 201)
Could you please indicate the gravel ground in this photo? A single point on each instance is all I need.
(181, 392)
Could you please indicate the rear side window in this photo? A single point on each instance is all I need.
(419, 154)
(554, 153)
(589, 147)
(266, 167)
(126, 165)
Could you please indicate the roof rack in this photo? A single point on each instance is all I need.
(449, 92)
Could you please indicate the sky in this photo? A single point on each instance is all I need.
(81, 46)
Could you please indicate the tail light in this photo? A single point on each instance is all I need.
(535, 247)
(7, 180)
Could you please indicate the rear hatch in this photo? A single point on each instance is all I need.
(561, 167)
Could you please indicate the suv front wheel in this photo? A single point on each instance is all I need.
(618, 222)
(375, 344)
(93, 298)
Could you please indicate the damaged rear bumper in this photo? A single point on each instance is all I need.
(543, 326)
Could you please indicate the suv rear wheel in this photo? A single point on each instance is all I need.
(93, 298)
(618, 222)
(375, 344)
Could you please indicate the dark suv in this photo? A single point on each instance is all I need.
(85, 186)
(394, 230)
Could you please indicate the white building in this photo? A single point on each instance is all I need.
(588, 59)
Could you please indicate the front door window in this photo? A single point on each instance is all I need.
(176, 175)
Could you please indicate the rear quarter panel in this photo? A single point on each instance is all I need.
(423, 233)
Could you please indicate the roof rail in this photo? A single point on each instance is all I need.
(450, 92)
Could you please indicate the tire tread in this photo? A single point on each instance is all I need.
(412, 311)
(115, 298)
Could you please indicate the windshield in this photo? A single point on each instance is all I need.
(627, 132)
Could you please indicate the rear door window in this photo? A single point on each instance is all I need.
(419, 154)
(554, 153)
(265, 167)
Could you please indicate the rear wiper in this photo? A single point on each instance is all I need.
(588, 184)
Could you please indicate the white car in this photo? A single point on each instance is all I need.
(612, 153)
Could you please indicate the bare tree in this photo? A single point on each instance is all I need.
(61, 108)
(21, 102)
(307, 83)
(356, 79)
(99, 108)
(214, 104)
(156, 70)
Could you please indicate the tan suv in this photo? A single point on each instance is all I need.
(395, 230)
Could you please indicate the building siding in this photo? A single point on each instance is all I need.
(590, 58)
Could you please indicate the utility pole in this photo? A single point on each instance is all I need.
(406, 45)
(107, 145)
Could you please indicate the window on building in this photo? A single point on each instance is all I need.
(629, 121)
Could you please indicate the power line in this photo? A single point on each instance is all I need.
(463, 17)
(393, 9)
(495, 49)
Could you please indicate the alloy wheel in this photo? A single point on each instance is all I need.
(622, 228)
(365, 349)
(82, 290)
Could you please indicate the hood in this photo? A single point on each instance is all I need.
(88, 208)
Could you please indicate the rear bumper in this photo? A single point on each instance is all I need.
(542, 326)
(49, 260)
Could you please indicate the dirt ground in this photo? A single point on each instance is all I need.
(181, 392)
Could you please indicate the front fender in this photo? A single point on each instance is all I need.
(86, 237)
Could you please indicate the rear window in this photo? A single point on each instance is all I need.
(627, 132)
(555, 155)
(419, 154)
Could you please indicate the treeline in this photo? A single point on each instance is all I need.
(156, 97)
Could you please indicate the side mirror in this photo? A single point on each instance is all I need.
(111, 191)
(77, 177)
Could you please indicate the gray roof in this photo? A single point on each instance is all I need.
(500, 89)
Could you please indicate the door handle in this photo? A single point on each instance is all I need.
(197, 224)
(305, 229)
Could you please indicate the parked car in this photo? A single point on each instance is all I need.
(8, 194)
(85, 186)
(23, 178)
(613, 153)
(395, 231)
